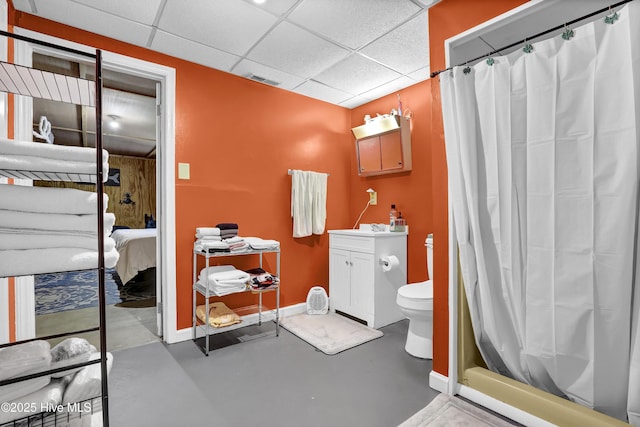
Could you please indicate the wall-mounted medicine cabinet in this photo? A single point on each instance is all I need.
(383, 145)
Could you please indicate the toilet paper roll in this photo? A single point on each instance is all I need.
(390, 262)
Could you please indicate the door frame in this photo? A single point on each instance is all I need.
(165, 163)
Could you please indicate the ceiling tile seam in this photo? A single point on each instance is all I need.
(156, 21)
(32, 6)
(109, 13)
(280, 19)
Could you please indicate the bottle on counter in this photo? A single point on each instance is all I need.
(400, 223)
(393, 214)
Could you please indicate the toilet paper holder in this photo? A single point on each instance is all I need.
(383, 261)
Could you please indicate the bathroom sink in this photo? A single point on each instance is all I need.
(366, 230)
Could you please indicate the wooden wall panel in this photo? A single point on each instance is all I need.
(137, 177)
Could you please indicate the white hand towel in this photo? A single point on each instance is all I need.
(38, 261)
(207, 231)
(308, 202)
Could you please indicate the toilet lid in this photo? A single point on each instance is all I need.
(422, 290)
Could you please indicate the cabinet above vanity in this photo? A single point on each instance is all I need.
(383, 145)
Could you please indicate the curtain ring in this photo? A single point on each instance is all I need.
(568, 33)
(466, 68)
(610, 19)
(490, 61)
(528, 47)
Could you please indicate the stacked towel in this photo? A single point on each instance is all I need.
(228, 229)
(211, 246)
(262, 244)
(237, 244)
(224, 279)
(46, 230)
(34, 156)
(219, 315)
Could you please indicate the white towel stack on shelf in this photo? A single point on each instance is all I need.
(51, 159)
(224, 279)
(46, 230)
(262, 244)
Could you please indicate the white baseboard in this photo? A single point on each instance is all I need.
(438, 382)
(187, 333)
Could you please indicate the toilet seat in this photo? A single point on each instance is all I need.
(416, 296)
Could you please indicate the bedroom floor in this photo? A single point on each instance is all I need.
(126, 327)
(272, 381)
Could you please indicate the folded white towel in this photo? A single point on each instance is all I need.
(35, 156)
(22, 358)
(15, 239)
(200, 238)
(38, 261)
(49, 200)
(54, 222)
(47, 397)
(261, 244)
(208, 231)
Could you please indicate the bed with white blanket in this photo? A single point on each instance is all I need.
(137, 249)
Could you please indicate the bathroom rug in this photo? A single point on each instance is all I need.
(447, 410)
(330, 333)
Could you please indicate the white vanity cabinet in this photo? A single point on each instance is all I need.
(358, 285)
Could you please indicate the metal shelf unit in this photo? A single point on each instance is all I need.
(205, 290)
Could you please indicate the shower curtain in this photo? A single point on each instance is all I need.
(543, 154)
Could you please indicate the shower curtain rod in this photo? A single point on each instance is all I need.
(582, 18)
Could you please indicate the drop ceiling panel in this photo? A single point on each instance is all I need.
(229, 25)
(355, 101)
(284, 80)
(353, 23)
(387, 88)
(93, 20)
(356, 74)
(404, 49)
(143, 12)
(420, 75)
(320, 91)
(192, 51)
(301, 53)
(278, 7)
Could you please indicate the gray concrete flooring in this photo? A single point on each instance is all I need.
(272, 381)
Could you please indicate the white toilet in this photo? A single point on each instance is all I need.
(416, 303)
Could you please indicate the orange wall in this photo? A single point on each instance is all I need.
(409, 191)
(240, 137)
(446, 19)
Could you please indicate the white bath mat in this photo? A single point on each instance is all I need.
(330, 333)
(447, 411)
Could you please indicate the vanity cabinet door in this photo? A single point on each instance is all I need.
(339, 280)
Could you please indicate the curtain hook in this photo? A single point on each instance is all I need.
(568, 33)
(610, 19)
(466, 68)
(528, 47)
(490, 61)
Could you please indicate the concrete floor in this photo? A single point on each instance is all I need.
(272, 381)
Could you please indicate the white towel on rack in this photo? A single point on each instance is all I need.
(18, 239)
(36, 156)
(55, 222)
(38, 261)
(49, 200)
(308, 202)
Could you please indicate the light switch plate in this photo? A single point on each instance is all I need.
(184, 170)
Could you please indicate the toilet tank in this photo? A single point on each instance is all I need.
(429, 244)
